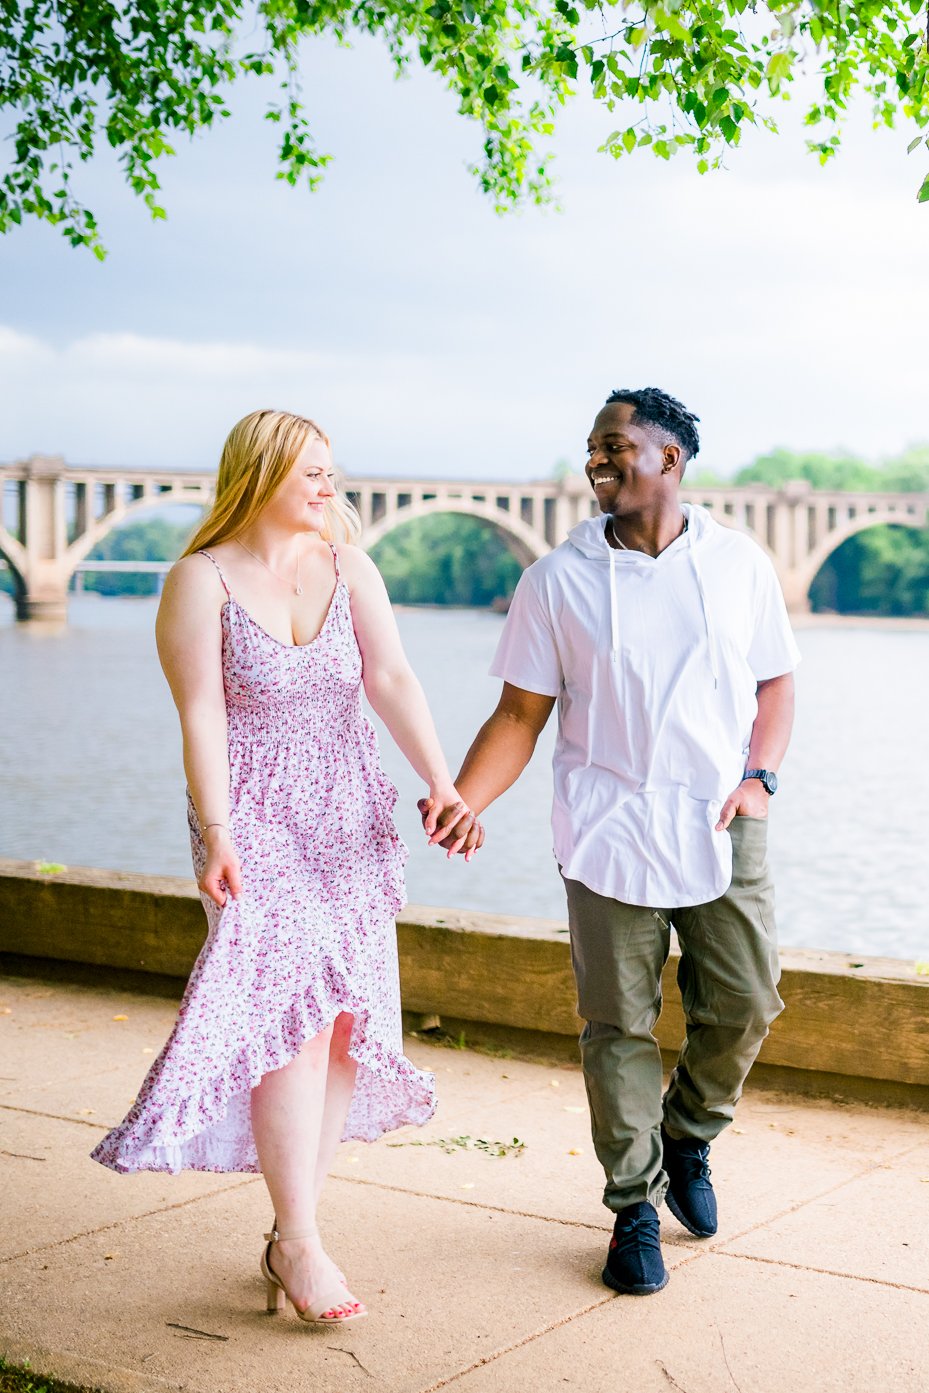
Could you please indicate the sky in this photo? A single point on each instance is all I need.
(784, 303)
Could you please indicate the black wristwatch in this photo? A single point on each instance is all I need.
(767, 776)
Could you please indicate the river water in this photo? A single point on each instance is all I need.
(90, 758)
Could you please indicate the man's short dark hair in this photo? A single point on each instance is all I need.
(652, 407)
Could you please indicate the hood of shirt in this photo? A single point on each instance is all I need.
(589, 539)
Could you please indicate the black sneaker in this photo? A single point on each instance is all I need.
(690, 1196)
(634, 1264)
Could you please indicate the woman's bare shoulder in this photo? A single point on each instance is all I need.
(194, 576)
(356, 567)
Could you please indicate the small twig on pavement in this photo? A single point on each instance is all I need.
(190, 1332)
(21, 1156)
(352, 1355)
(670, 1377)
(728, 1365)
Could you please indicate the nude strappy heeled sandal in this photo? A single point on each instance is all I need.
(277, 1293)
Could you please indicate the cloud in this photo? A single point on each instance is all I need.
(21, 352)
(129, 398)
(788, 366)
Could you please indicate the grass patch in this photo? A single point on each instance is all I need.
(19, 1378)
(435, 1035)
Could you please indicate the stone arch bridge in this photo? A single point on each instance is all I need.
(54, 514)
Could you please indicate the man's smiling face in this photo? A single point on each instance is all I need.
(629, 469)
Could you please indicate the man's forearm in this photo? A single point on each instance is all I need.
(501, 750)
(773, 724)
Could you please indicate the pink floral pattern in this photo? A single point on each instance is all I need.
(311, 935)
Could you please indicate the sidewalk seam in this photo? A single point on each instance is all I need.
(597, 1305)
(795, 1208)
(470, 1204)
(543, 1331)
(823, 1271)
(517, 1344)
(55, 1116)
(128, 1219)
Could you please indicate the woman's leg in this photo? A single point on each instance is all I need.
(287, 1109)
(340, 1084)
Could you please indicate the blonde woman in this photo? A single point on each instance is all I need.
(289, 1036)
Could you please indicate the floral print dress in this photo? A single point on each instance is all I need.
(312, 933)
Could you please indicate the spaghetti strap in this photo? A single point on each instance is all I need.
(335, 559)
(223, 578)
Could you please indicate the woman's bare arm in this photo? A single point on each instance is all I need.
(392, 687)
(189, 638)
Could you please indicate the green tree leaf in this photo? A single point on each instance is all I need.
(138, 75)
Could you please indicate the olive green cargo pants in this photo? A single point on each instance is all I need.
(728, 976)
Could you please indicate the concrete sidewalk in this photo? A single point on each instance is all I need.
(481, 1272)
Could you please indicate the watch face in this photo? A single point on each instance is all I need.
(770, 781)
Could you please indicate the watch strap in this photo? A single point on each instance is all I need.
(765, 776)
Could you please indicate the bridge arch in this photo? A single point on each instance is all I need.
(14, 554)
(82, 546)
(881, 517)
(522, 541)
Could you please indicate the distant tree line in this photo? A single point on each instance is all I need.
(153, 539)
(449, 559)
(905, 473)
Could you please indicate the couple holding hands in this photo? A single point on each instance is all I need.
(662, 637)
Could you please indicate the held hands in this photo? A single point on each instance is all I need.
(222, 875)
(449, 823)
(749, 800)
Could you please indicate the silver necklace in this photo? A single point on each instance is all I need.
(298, 588)
(622, 545)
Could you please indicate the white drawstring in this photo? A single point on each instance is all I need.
(614, 612)
(614, 616)
(706, 617)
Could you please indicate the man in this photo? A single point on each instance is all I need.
(664, 639)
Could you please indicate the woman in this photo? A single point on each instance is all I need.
(289, 1035)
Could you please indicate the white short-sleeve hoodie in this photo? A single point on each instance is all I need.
(654, 661)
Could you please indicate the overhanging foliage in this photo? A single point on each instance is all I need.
(136, 74)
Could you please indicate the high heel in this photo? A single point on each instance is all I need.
(277, 1295)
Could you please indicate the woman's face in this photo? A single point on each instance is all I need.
(300, 500)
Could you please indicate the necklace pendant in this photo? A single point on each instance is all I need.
(298, 590)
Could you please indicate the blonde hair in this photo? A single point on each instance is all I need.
(259, 452)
